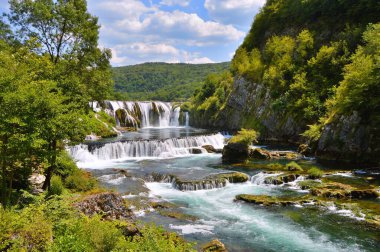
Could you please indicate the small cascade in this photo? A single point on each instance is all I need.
(199, 185)
(142, 114)
(259, 179)
(172, 147)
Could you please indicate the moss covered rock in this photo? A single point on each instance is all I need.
(270, 200)
(214, 246)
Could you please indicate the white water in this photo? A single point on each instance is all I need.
(243, 224)
(169, 148)
(144, 114)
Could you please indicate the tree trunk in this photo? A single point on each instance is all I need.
(50, 170)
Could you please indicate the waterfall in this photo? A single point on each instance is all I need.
(143, 114)
(172, 147)
(187, 118)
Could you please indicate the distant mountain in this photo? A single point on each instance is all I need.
(162, 81)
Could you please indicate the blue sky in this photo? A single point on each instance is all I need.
(190, 31)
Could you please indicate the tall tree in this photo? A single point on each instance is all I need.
(66, 34)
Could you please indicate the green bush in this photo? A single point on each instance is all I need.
(26, 230)
(56, 186)
(80, 181)
(156, 239)
(245, 136)
(65, 164)
(293, 166)
(275, 166)
(315, 173)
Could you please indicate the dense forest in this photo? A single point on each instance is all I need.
(303, 69)
(162, 81)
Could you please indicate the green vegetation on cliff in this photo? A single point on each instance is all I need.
(303, 63)
(162, 81)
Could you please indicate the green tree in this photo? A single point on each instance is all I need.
(69, 34)
(66, 35)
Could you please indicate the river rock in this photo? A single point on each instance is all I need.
(268, 200)
(214, 246)
(209, 148)
(108, 205)
(259, 153)
(195, 150)
(235, 152)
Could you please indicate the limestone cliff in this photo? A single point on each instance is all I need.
(350, 139)
(250, 106)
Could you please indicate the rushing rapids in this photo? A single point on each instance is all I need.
(144, 114)
(167, 148)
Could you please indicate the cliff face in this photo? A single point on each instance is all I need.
(344, 139)
(250, 106)
(349, 139)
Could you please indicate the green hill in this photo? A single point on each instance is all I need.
(162, 81)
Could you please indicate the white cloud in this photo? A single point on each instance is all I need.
(138, 33)
(237, 12)
(143, 52)
(182, 3)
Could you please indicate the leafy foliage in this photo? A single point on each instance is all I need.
(53, 225)
(50, 68)
(244, 136)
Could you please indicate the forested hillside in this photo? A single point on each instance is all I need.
(162, 81)
(306, 71)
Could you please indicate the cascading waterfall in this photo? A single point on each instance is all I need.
(144, 114)
(259, 179)
(172, 147)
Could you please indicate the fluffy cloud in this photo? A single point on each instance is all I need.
(237, 12)
(134, 53)
(137, 32)
(182, 3)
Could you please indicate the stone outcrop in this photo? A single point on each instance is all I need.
(348, 138)
(108, 205)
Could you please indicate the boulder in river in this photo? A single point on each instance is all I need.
(209, 148)
(214, 246)
(195, 150)
(233, 152)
